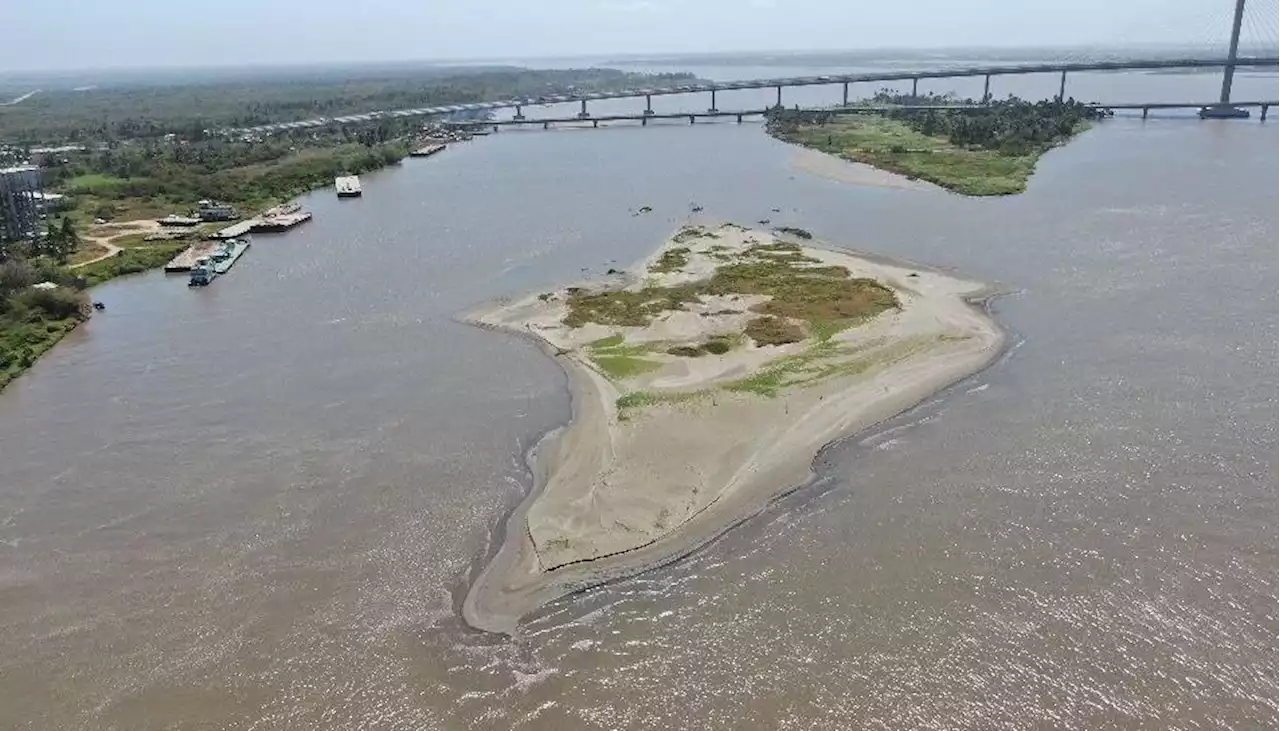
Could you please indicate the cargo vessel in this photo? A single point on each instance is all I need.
(348, 186)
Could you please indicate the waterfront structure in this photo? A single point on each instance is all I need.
(209, 210)
(21, 200)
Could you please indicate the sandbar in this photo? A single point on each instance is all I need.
(696, 404)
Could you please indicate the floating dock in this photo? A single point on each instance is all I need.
(427, 151)
(235, 229)
(173, 220)
(228, 253)
(279, 222)
(189, 256)
(273, 220)
(348, 186)
(280, 218)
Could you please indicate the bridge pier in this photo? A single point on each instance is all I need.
(986, 89)
(1144, 112)
(1062, 87)
(915, 83)
(584, 114)
(691, 118)
(779, 96)
(546, 125)
(648, 104)
(595, 123)
(518, 114)
(844, 100)
(712, 108)
(1263, 116)
(644, 121)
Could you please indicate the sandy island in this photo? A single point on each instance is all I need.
(704, 381)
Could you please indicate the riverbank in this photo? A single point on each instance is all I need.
(105, 251)
(703, 384)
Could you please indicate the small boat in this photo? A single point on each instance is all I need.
(348, 186)
(202, 273)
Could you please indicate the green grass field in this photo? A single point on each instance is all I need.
(891, 145)
(129, 261)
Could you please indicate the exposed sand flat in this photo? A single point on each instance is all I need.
(666, 451)
(837, 168)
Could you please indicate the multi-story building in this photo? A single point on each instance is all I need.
(20, 202)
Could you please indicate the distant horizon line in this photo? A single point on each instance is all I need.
(620, 58)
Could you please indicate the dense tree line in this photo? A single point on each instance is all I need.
(1011, 126)
(139, 111)
(32, 319)
(245, 173)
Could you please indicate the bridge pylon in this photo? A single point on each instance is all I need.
(1224, 109)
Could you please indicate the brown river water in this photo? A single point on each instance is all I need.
(256, 505)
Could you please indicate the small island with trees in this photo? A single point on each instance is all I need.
(973, 149)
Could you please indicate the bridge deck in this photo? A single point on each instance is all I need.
(1006, 70)
(858, 109)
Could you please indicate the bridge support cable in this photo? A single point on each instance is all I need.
(1261, 34)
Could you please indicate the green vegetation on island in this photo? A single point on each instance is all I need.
(986, 150)
(804, 301)
(799, 291)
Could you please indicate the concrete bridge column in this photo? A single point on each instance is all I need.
(1229, 72)
(986, 89)
(648, 104)
(595, 123)
(546, 125)
(712, 108)
(915, 84)
(1264, 115)
(1265, 107)
(1144, 112)
(584, 114)
(845, 99)
(691, 118)
(779, 96)
(644, 121)
(1062, 87)
(518, 114)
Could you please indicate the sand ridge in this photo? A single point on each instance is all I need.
(663, 451)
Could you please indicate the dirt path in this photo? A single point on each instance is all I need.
(107, 232)
(111, 250)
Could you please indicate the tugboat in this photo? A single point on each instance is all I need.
(201, 273)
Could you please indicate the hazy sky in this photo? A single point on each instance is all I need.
(78, 34)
